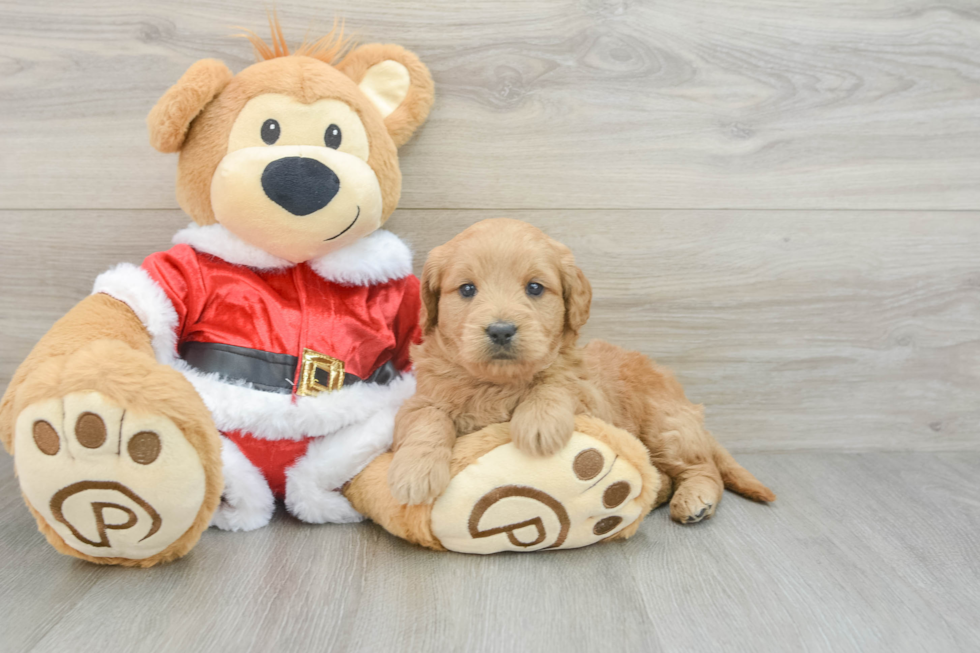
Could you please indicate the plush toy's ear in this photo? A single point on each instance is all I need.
(396, 82)
(169, 119)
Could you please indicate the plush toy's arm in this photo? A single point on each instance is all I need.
(97, 317)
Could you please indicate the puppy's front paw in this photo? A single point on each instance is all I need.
(541, 432)
(418, 477)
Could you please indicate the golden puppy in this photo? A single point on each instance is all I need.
(502, 308)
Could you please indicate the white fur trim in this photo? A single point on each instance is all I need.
(217, 241)
(135, 288)
(237, 406)
(377, 258)
(247, 502)
(312, 483)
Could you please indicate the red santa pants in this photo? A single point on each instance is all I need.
(272, 457)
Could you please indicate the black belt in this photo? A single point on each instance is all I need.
(265, 370)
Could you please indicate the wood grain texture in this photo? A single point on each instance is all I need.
(797, 330)
(862, 552)
(542, 104)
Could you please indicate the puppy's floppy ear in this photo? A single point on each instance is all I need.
(396, 82)
(430, 289)
(576, 291)
(171, 117)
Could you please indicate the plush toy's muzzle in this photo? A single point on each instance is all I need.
(296, 200)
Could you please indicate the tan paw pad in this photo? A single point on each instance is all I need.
(509, 501)
(111, 483)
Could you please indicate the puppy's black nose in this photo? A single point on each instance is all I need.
(500, 333)
(300, 185)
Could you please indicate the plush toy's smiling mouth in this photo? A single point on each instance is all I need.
(347, 228)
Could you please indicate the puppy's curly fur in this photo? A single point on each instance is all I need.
(502, 308)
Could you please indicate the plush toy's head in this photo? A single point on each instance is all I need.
(296, 154)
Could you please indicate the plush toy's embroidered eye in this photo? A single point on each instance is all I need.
(270, 131)
(332, 137)
(467, 290)
(534, 289)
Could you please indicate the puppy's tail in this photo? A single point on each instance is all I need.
(740, 480)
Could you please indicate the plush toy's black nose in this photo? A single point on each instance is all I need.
(300, 185)
(501, 333)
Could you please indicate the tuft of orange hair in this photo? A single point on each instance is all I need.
(331, 48)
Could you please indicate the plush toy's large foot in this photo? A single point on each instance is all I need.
(599, 487)
(111, 460)
(509, 501)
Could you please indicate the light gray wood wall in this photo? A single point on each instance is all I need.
(780, 199)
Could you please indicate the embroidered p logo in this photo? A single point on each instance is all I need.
(515, 530)
(71, 499)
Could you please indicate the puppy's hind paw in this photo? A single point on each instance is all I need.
(692, 503)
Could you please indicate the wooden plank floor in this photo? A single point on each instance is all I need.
(862, 552)
(777, 198)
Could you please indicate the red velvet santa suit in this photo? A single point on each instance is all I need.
(359, 305)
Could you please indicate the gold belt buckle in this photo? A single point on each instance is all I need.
(311, 362)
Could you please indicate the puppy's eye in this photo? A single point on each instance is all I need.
(332, 137)
(467, 290)
(270, 131)
(534, 289)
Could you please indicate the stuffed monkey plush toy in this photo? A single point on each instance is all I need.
(266, 353)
